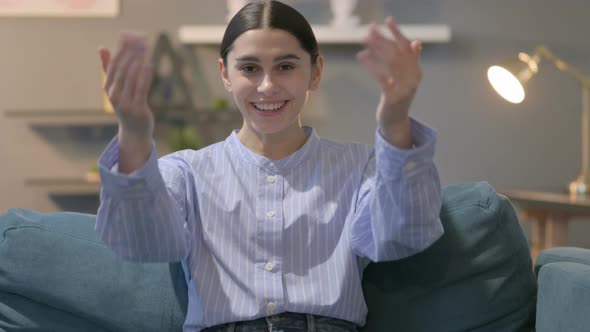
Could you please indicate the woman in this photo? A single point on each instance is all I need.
(274, 225)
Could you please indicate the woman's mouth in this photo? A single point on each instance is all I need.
(269, 109)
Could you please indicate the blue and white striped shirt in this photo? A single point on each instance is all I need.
(258, 237)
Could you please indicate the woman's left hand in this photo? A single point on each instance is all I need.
(395, 65)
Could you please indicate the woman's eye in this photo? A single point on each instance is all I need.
(286, 66)
(248, 68)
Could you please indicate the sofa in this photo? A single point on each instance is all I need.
(56, 275)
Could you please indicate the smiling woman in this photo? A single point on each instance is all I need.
(274, 225)
(270, 77)
(270, 62)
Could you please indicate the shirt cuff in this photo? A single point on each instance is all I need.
(136, 183)
(393, 162)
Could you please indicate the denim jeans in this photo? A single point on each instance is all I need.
(287, 322)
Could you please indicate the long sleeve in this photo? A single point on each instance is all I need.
(143, 215)
(399, 200)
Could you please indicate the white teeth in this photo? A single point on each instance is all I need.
(269, 107)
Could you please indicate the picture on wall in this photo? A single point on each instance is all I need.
(59, 8)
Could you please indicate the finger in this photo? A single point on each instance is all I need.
(132, 39)
(375, 68)
(369, 32)
(125, 78)
(110, 70)
(114, 65)
(143, 85)
(128, 88)
(127, 42)
(116, 80)
(416, 46)
(397, 34)
(105, 57)
(377, 37)
(133, 75)
(385, 48)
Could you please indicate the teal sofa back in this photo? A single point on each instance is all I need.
(478, 277)
(55, 275)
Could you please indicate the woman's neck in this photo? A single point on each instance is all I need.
(274, 146)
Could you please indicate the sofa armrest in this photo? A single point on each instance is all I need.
(563, 297)
(562, 254)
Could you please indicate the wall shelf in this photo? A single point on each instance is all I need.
(53, 118)
(325, 34)
(41, 117)
(82, 186)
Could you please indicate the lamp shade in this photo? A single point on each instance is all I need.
(510, 79)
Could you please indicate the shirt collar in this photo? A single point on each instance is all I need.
(243, 154)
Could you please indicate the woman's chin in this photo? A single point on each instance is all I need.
(269, 128)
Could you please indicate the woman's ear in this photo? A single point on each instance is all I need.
(316, 73)
(224, 75)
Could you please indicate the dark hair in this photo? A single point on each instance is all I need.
(270, 14)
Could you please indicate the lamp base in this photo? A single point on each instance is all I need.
(579, 187)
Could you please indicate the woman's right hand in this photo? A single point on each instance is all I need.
(128, 79)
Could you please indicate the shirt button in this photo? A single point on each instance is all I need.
(271, 179)
(410, 165)
(269, 266)
(271, 307)
(270, 214)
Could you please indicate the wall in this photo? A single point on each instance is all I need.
(52, 63)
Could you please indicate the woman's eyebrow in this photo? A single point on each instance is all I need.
(287, 57)
(250, 58)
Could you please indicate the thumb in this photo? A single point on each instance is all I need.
(416, 46)
(105, 57)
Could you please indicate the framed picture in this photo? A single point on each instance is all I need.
(59, 8)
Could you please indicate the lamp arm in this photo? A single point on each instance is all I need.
(563, 66)
(582, 184)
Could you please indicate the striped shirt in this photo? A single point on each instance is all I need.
(258, 236)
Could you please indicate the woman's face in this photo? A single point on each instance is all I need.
(269, 76)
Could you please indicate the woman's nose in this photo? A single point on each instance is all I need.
(267, 85)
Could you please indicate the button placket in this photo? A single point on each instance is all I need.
(270, 213)
(270, 180)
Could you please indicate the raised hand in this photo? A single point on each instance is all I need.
(128, 79)
(395, 65)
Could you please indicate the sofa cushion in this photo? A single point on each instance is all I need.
(477, 277)
(56, 275)
(564, 297)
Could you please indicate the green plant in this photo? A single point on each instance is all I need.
(219, 104)
(183, 137)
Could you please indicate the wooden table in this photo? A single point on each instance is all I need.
(549, 213)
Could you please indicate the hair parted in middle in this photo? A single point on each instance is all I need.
(270, 14)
